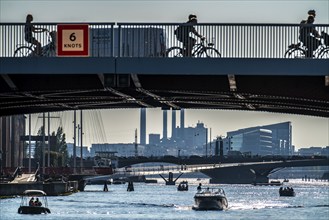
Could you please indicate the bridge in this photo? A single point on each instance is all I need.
(128, 67)
(226, 173)
(220, 171)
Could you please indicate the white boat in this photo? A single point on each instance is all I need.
(34, 202)
(210, 199)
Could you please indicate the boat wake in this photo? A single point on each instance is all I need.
(278, 206)
(152, 205)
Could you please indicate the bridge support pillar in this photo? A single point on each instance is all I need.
(80, 179)
(81, 185)
(170, 180)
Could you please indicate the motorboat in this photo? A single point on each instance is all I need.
(210, 199)
(34, 202)
(183, 186)
(287, 191)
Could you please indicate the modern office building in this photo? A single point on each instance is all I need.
(274, 139)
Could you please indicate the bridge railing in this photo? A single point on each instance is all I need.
(12, 37)
(231, 40)
(154, 39)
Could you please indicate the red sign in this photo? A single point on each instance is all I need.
(72, 40)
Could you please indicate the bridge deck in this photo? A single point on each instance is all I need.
(128, 68)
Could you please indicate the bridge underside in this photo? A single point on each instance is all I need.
(28, 91)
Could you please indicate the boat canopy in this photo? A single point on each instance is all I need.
(32, 192)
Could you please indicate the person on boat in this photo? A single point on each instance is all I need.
(37, 202)
(199, 187)
(31, 202)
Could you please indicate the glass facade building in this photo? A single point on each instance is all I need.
(274, 139)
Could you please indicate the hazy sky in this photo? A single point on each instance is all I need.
(307, 130)
(259, 11)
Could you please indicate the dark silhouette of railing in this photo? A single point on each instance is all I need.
(153, 39)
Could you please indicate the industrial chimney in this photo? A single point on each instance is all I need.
(182, 118)
(173, 125)
(165, 130)
(143, 127)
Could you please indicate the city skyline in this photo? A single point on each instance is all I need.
(99, 126)
(307, 130)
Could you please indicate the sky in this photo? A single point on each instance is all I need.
(119, 125)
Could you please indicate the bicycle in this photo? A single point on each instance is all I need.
(299, 50)
(30, 50)
(201, 49)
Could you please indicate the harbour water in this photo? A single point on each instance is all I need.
(158, 201)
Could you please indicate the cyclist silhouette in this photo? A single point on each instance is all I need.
(183, 34)
(29, 30)
(308, 34)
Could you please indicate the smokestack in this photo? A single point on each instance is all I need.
(182, 118)
(182, 124)
(143, 127)
(173, 124)
(165, 130)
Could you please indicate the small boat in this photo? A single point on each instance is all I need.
(210, 199)
(34, 202)
(183, 186)
(287, 191)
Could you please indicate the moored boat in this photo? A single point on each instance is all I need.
(34, 202)
(210, 199)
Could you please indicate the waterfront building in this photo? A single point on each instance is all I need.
(314, 151)
(85, 151)
(123, 150)
(274, 139)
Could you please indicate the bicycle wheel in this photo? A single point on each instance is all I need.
(23, 51)
(324, 53)
(295, 53)
(209, 52)
(174, 52)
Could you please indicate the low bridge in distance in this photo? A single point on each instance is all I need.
(226, 173)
